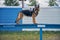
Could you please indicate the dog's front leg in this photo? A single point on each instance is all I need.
(33, 18)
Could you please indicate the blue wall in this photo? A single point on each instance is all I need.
(9, 15)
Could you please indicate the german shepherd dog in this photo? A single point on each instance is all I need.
(28, 13)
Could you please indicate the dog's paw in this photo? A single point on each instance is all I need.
(35, 23)
(15, 21)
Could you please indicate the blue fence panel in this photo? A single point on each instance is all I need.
(9, 15)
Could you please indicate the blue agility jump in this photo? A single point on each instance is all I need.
(15, 27)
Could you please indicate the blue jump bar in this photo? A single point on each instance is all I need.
(15, 27)
(31, 25)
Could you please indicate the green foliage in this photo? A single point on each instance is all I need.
(52, 3)
(33, 2)
(11, 3)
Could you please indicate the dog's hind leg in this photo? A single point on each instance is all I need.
(20, 16)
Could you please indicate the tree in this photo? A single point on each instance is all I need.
(52, 3)
(33, 2)
(11, 3)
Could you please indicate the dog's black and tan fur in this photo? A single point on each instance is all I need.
(32, 14)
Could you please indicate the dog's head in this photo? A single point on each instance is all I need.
(36, 8)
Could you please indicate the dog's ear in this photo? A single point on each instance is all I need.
(33, 9)
(38, 6)
(35, 6)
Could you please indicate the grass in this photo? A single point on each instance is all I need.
(29, 35)
(23, 35)
(51, 35)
